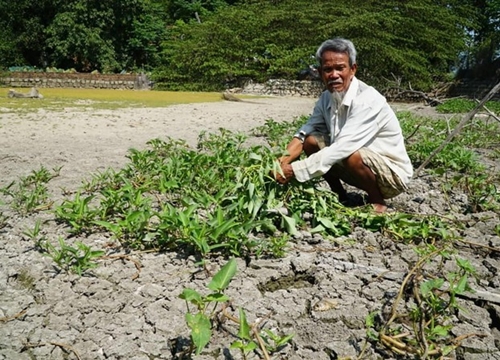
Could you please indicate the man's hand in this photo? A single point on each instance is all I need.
(287, 173)
(294, 149)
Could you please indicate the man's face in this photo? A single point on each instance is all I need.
(336, 72)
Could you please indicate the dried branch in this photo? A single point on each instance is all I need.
(414, 132)
(431, 101)
(53, 343)
(432, 98)
(136, 263)
(491, 113)
(13, 317)
(470, 115)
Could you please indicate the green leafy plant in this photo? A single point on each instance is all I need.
(457, 165)
(424, 329)
(275, 342)
(462, 105)
(211, 309)
(75, 259)
(35, 235)
(30, 194)
(77, 213)
(482, 191)
(245, 342)
(200, 323)
(220, 198)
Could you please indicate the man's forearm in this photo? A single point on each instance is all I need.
(294, 150)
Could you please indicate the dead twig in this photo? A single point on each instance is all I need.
(137, 264)
(431, 98)
(458, 340)
(406, 280)
(470, 115)
(317, 249)
(490, 248)
(13, 317)
(261, 343)
(431, 101)
(491, 113)
(54, 343)
(421, 323)
(414, 132)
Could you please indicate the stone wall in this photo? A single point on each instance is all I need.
(469, 89)
(275, 87)
(308, 88)
(278, 87)
(74, 80)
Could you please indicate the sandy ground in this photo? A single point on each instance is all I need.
(113, 314)
(84, 141)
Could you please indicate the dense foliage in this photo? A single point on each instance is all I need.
(86, 35)
(411, 42)
(212, 44)
(481, 59)
(221, 197)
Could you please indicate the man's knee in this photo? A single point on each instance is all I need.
(354, 162)
(310, 145)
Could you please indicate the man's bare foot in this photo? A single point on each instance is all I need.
(379, 208)
(342, 196)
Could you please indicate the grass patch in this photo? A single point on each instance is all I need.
(60, 99)
(458, 163)
(26, 280)
(220, 199)
(459, 106)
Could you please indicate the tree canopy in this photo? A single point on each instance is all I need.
(415, 42)
(213, 44)
(87, 35)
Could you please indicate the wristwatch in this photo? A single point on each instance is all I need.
(301, 136)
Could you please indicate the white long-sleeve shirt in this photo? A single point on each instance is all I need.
(364, 119)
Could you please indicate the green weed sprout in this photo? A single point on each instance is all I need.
(200, 323)
(30, 194)
(425, 329)
(212, 308)
(72, 259)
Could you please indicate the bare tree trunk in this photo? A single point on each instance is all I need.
(33, 94)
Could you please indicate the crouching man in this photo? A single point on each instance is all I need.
(353, 135)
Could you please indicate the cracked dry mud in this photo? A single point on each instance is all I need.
(321, 291)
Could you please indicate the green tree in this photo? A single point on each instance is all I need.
(76, 38)
(482, 58)
(415, 42)
(22, 36)
(187, 10)
(9, 54)
(137, 33)
(106, 35)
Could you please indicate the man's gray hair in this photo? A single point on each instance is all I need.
(338, 45)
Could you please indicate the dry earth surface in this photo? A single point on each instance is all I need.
(119, 312)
